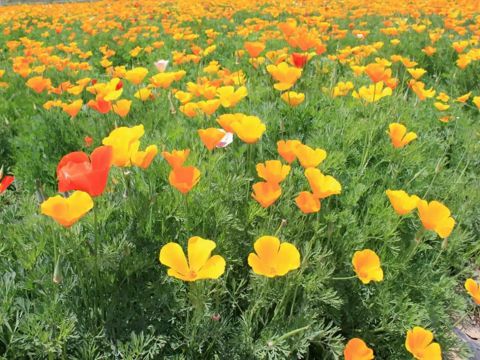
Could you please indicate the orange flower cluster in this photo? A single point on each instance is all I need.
(434, 215)
(182, 178)
(87, 175)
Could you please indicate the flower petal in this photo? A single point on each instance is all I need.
(172, 255)
(213, 268)
(199, 251)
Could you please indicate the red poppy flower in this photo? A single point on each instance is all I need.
(100, 105)
(299, 60)
(5, 183)
(78, 171)
(88, 141)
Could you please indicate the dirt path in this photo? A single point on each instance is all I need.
(469, 332)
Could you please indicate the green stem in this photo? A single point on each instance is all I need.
(344, 278)
(97, 258)
(282, 224)
(444, 246)
(289, 334)
(57, 278)
(416, 241)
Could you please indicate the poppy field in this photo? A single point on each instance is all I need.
(228, 179)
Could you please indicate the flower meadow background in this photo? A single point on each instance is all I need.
(326, 198)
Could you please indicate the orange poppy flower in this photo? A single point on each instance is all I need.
(88, 141)
(366, 265)
(464, 97)
(419, 343)
(226, 121)
(136, 75)
(293, 98)
(399, 136)
(418, 88)
(184, 178)
(272, 258)
(356, 349)
(342, 89)
(436, 216)
(266, 193)
(254, 48)
(176, 158)
(307, 202)
(162, 80)
(125, 142)
(122, 107)
(144, 94)
(183, 97)
(476, 101)
(209, 107)
(377, 72)
(189, 109)
(39, 84)
(322, 186)
(143, 159)
(309, 157)
(401, 202)
(429, 50)
(67, 211)
(473, 289)
(211, 137)
(417, 73)
(372, 93)
(272, 171)
(286, 149)
(100, 105)
(441, 106)
(249, 129)
(73, 108)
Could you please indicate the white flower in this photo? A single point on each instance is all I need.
(161, 65)
(226, 140)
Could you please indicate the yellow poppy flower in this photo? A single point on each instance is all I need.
(419, 343)
(200, 264)
(366, 265)
(272, 258)
(67, 211)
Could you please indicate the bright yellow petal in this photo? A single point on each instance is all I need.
(433, 352)
(172, 255)
(79, 204)
(418, 339)
(471, 286)
(258, 266)
(199, 251)
(177, 275)
(213, 268)
(409, 137)
(445, 228)
(288, 258)
(267, 248)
